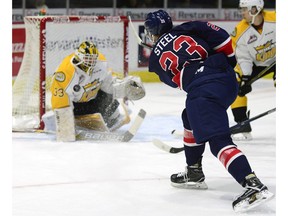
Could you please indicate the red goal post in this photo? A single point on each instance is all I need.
(48, 40)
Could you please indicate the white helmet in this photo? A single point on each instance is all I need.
(259, 4)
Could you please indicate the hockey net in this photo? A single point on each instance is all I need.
(48, 40)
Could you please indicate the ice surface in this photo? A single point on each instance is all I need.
(132, 179)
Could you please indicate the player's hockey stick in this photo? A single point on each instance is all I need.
(139, 40)
(240, 124)
(108, 136)
(261, 74)
(160, 144)
(233, 128)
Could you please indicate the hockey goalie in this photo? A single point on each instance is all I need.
(85, 94)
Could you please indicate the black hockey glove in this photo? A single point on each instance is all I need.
(244, 87)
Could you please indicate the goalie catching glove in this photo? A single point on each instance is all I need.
(130, 87)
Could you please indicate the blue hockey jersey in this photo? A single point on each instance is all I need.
(188, 46)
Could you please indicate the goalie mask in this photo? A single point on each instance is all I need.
(156, 24)
(249, 4)
(86, 56)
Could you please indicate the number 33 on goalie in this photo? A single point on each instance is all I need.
(83, 87)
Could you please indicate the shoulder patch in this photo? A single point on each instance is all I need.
(60, 76)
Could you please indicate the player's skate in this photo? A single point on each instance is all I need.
(255, 194)
(192, 178)
(242, 134)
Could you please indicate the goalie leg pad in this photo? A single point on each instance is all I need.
(65, 126)
(91, 121)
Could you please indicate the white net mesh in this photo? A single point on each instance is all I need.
(61, 36)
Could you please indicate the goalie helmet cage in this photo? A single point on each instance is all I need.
(48, 40)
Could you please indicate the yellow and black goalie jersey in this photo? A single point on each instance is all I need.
(71, 84)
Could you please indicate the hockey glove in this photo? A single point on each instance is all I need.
(134, 88)
(244, 87)
(130, 87)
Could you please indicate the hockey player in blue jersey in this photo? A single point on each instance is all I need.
(198, 57)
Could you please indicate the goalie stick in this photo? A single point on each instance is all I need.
(91, 135)
(139, 40)
(173, 150)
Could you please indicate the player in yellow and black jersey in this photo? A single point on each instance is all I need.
(254, 41)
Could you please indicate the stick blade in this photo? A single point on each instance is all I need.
(176, 150)
(161, 145)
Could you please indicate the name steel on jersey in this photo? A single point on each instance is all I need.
(163, 42)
